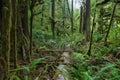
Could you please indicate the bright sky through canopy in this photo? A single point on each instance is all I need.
(76, 3)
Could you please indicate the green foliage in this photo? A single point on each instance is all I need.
(33, 64)
(78, 69)
(100, 49)
(84, 70)
(82, 66)
(78, 72)
(78, 56)
(27, 78)
(109, 68)
(114, 32)
(26, 70)
(14, 77)
(97, 37)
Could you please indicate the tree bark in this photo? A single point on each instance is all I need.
(87, 22)
(24, 16)
(53, 17)
(6, 27)
(1, 7)
(22, 28)
(31, 26)
(14, 33)
(81, 20)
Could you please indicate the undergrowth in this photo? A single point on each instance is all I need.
(103, 64)
(93, 68)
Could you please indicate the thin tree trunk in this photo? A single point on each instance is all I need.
(64, 15)
(53, 17)
(109, 27)
(68, 8)
(80, 26)
(72, 24)
(91, 38)
(31, 25)
(42, 6)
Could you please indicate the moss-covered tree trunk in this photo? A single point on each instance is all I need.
(14, 33)
(22, 29)
(6, 27)
(87, 20)
(32, 5)
(24, 16)
(1, 5)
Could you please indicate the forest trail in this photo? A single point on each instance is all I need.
(66, 59)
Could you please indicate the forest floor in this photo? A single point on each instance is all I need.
(53, 64)
(61, 64)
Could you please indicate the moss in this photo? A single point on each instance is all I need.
(5, 37)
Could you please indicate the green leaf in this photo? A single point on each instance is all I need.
(26, 78)
(103, 70)
(15, 77)
(33, 64)
(37, 78)
(26, 68)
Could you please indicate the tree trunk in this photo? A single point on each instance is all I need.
(91, 38)
(109, 27)
(87, 20)
(64, 14)
(53, 17)
(14, 33)
(68, 8)
(6, 27)
(42, 15)
(24, 17)
(31, 25)
(22, 23)
(72, 24)
(1, 6)
(81, 20)
(19, 32)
